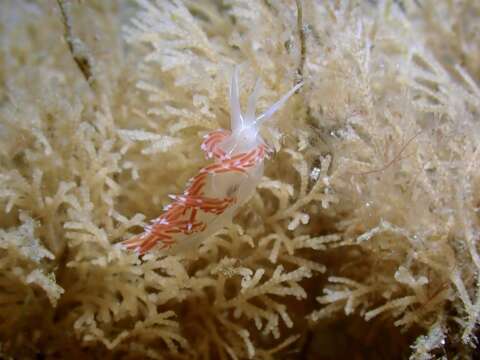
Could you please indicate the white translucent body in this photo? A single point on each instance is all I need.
(244, 137)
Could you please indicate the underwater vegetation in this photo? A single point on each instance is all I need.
(355, 234)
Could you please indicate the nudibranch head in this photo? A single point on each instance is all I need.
(245, 127)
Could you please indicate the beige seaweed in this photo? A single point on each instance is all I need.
(363, 231)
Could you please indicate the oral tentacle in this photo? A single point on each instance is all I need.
(252, 99)
(275, 107)
(235, 110)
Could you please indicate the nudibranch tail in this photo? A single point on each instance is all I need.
(215, 193)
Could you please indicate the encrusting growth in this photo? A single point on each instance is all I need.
(216, 192)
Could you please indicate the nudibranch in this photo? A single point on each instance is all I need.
(213, 196)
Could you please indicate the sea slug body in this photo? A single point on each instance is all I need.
(212, 197)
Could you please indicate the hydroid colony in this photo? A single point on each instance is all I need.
(362, 233)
